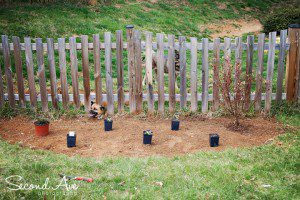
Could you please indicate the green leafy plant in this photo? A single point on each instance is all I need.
(176, 117)
(109, 119)
(148, 132)
(279, 19)
(40, 121)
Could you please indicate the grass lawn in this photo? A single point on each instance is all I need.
(270, 171)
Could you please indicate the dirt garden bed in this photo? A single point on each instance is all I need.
(126, 137)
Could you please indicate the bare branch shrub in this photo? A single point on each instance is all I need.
(233, 94)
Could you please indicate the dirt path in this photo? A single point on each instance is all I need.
(231, 28)
(126, 137)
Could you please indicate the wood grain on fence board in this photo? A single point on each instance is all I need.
(1, 89)
(182, 62)
(86, 72)
(97, 68)
(74, 71)
(249, 66)
(109, 79)
(131, 70)
(216, 75)
(259, 72)
(138, 70)
(281, 59)
(30, 71)
(52, 71)
(120, 70)
(270, 70)
(171, 70)
(160, 72)
(63, 71)
(41, 73)
(149, 72)
(194, 71)
(205, 75)
(8, 71)
(227, 55)
(19, 70)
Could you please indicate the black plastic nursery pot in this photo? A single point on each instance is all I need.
(214, 140)
(175, 125)
(147, 139)
(71, 141)
(108, 125)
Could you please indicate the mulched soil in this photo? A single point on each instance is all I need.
(126, 137)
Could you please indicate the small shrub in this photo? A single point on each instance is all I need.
(281, 18)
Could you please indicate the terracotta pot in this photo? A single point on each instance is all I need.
(41, 129)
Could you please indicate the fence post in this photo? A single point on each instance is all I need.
(138, 70)
(8, 71)
(19, 70)
(74, 71)
(52, 70)
(182, 61)
(171, 70)
(108, 67)
(131, 70)
(149, 73)
(41, 73)
(63, 71)
(97, 68)
(86, 72)
(120, 70)
(293, 64)
(160, 72)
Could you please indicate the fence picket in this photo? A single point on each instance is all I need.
(1, 89)
(63, 71)
(194, 61)
(30, 72)
(52, 70)
(259, 71)
(86, 72)
(97, 68)
(280, 71)
(149, 72)
(131, 69)
(270, 70)
(108, 67)
(205, 75)
(216, 75)
(74, 71)
(120, 70)
(160, 72)
(41, 74)
(182, 63)
(19, 70)
(171, 70)
(8, 71)
(249, 66)
(138, 70)
(238, 70)
(227, 55)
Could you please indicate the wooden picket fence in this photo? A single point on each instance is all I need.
(134, 47)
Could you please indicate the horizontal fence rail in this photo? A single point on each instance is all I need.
(198, 64)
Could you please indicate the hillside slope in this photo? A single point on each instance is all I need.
(190, 18)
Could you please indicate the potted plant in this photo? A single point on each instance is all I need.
(214, 140)
(175, 123)
(71, 139)
(41, 127)
(147, 139)
(108, 124)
